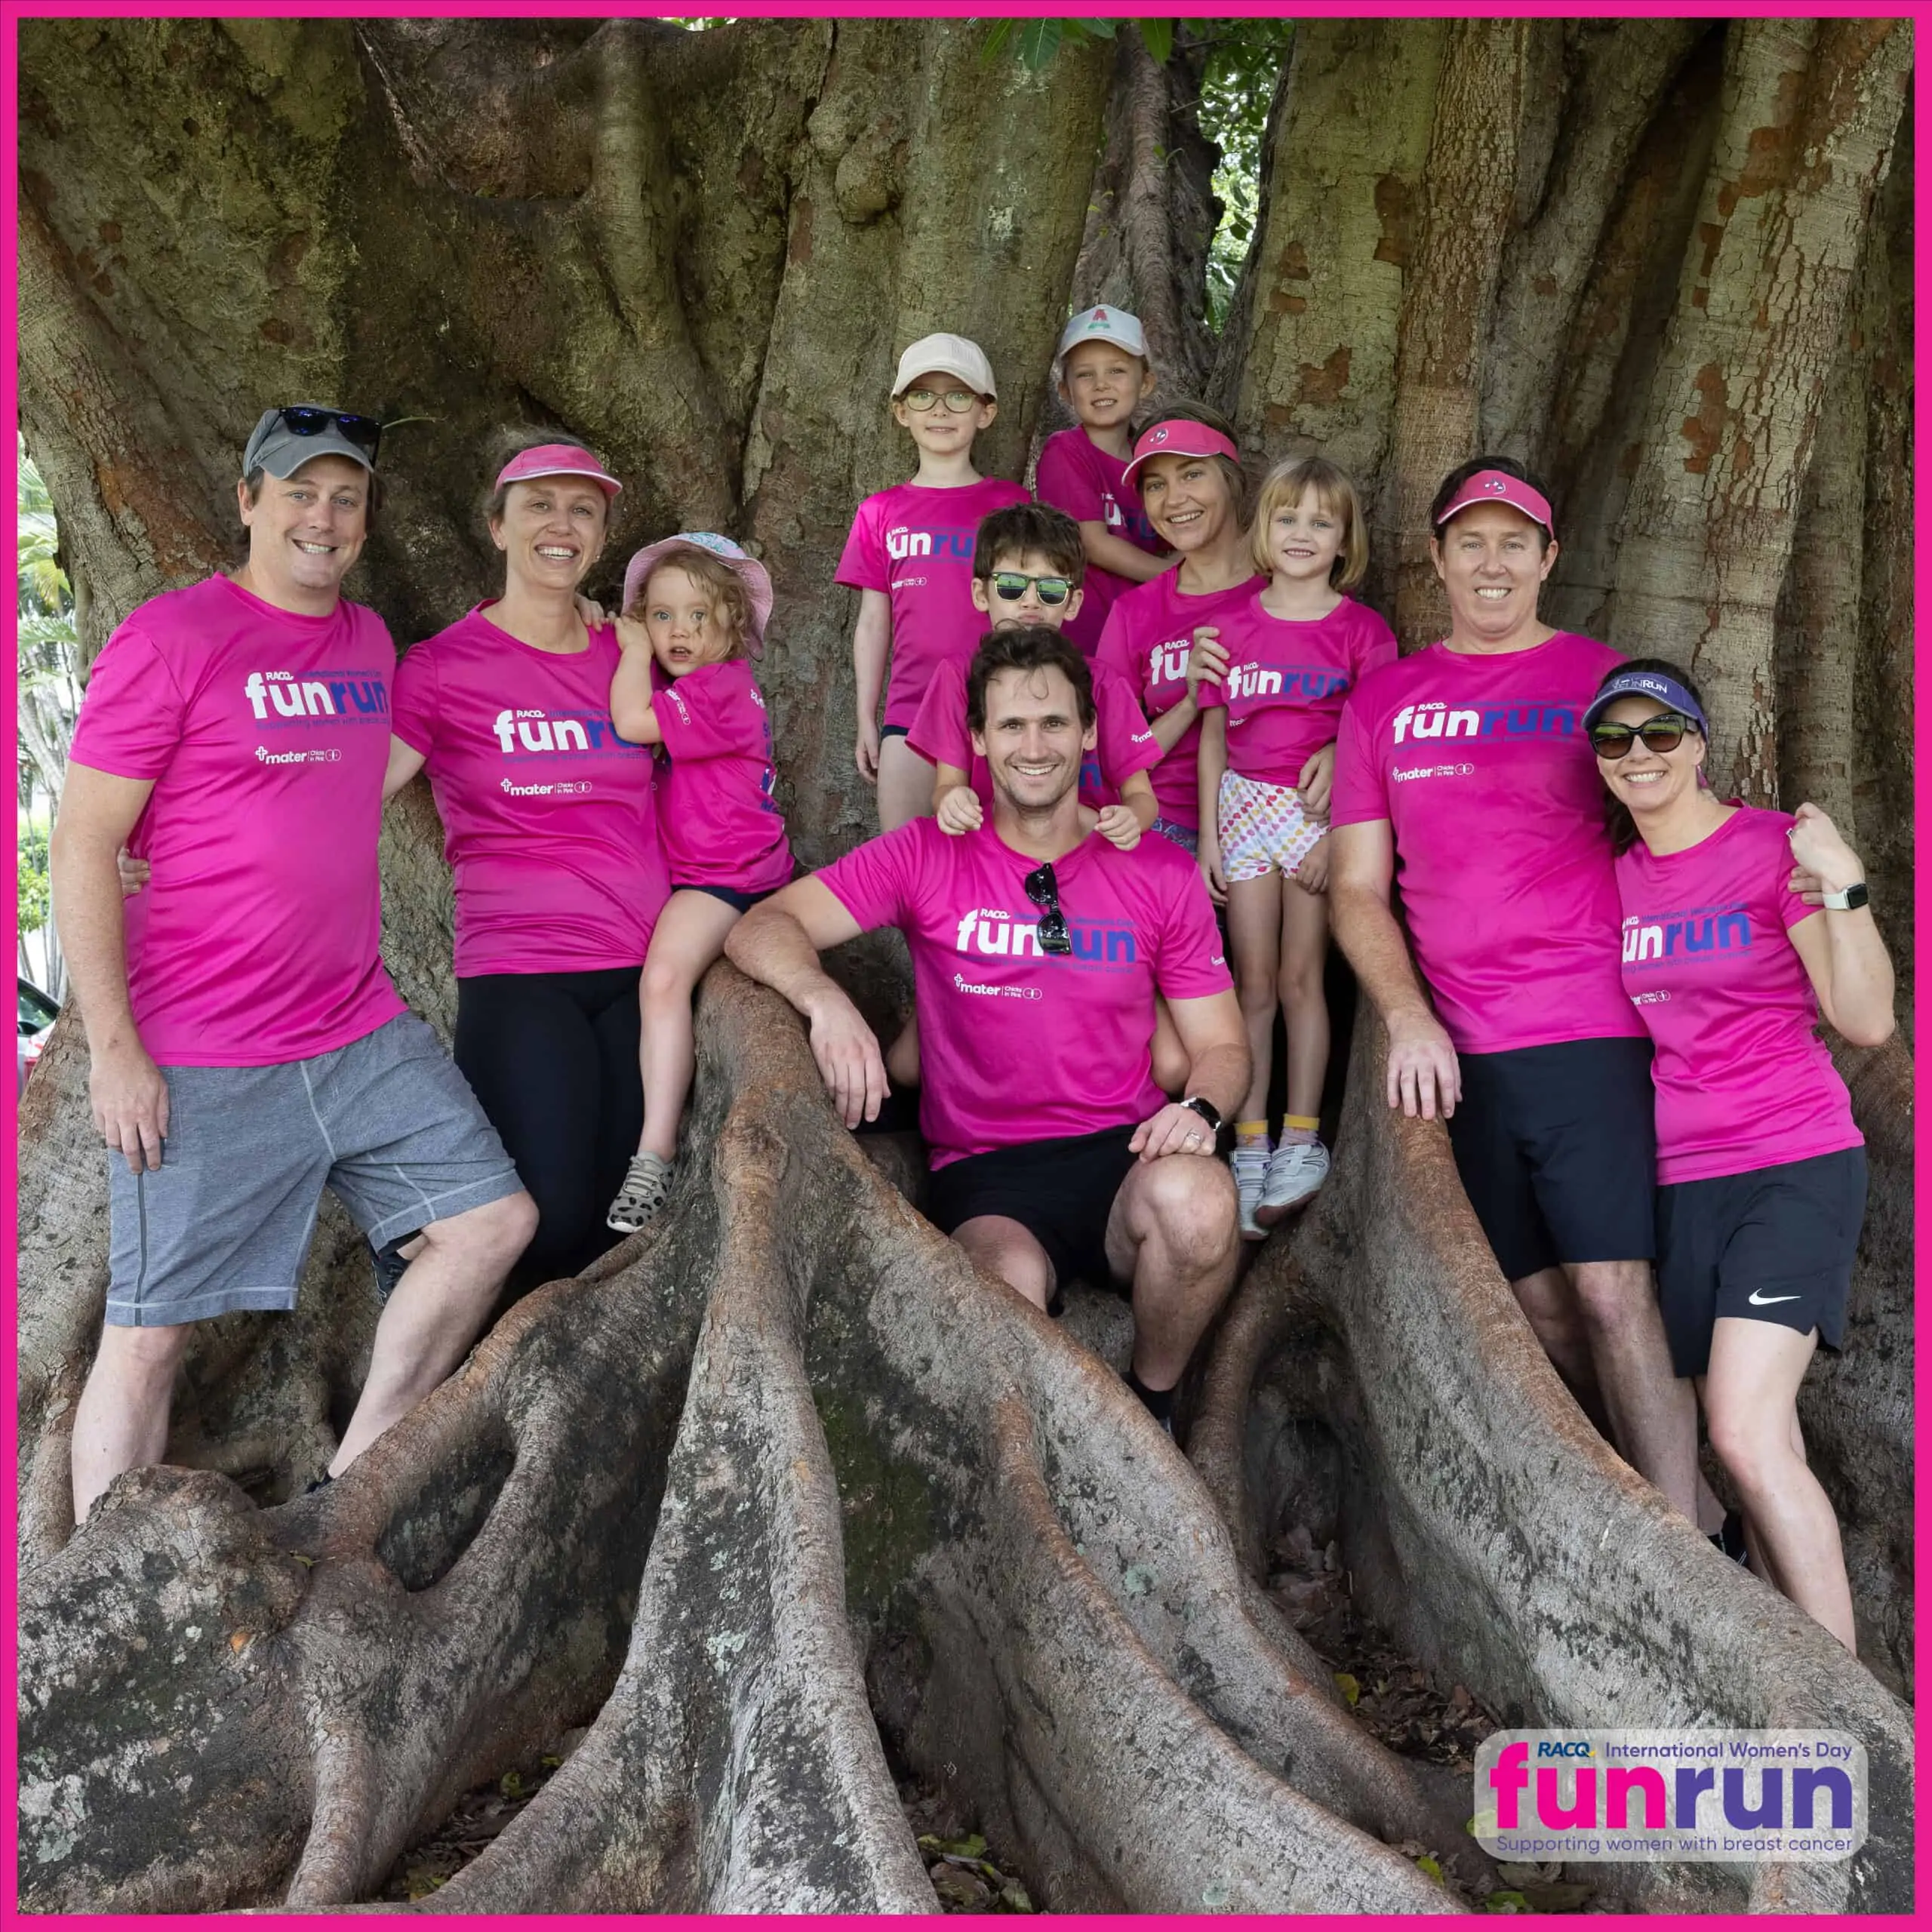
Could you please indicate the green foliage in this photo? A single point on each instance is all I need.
(1245, 59)
(35, 896)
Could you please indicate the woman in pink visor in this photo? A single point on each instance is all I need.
(1187, 472)
(550, 827)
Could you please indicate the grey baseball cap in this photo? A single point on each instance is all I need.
(285, 438)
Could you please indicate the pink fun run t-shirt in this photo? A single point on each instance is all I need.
(1286, 682)
(1479, 763)
(916, 545)
(256, 940)
(1149, 634)
(1122, 743)
(1019, 1045)
(721, 824)
(1075, 475)
(549, 818)
(1743, 1079)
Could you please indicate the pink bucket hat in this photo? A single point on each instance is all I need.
(1498, 486)
(750, 572)
(558, 460)
(1177, 435)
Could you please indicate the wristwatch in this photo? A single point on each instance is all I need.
(1850, 899)
(1207, 1109)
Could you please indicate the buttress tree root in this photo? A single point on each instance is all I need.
(1375, 1379)
(788, 1445)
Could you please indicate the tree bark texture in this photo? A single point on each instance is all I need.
(785, 1472)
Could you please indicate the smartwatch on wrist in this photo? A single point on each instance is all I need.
(1850, 899)
(1207, 1109)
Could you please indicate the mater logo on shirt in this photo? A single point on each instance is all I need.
(1532, 719)
(347, 697)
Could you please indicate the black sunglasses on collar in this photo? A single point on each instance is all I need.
(1043, 889)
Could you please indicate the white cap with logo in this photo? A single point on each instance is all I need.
(946, 356)
(1101, 324)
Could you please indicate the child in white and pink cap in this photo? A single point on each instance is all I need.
(910, 558)
(694, 605)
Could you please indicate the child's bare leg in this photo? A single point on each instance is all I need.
(1172, 1061)
(902, 1057)
(1304, 1006)
(1255, 922)
(905, 784)
(690, 936)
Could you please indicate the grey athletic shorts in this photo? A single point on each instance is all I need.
(224, 1222)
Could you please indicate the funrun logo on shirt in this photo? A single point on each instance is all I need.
(1707, 930)
(281, 698)
(1303, 681)
(993, 933)
(1531, 718)
(1167, 662)
(524, 733)
(902, 541)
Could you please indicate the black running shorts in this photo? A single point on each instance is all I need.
(1060, 1191)
(1557, 1147)
(1775, 1244)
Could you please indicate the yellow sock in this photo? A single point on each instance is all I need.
(1248, 1132)
(1298, 1130)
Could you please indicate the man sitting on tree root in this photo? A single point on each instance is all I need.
(1037, 950)
(247, 1045)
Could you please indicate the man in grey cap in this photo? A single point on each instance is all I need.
(246, 1044)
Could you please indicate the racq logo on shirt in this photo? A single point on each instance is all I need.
(1529, 718)
(280, 699)
(990, 932)
(527, 733)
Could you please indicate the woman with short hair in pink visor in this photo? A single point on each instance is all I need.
(550, 827)
(1187, 471)
(1740, 925)
(1462, 770)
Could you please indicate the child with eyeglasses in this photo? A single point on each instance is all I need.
(1103, 374)
(910, 558)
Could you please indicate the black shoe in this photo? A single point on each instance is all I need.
(1729, 1541)
(391, 1264)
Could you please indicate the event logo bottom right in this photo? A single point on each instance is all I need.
(1730, 1795)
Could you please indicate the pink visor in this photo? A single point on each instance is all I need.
(1498, 486)
(1177, 436)
(557, 459)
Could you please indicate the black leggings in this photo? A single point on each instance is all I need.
(552, 1058)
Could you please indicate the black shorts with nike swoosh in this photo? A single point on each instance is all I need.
(1774, 1245)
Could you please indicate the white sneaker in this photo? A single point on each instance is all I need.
(1251, 1165)
(646, 1181)
(1294, 1175)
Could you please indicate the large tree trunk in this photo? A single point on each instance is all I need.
(785, 1472)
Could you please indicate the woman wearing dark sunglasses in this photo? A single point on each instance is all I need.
(1740, 925)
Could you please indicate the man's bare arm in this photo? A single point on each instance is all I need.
(777, 944)
(125, 1089)
(1424, 1076)
(1216, 1041)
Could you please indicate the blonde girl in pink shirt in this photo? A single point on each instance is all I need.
(693, 605)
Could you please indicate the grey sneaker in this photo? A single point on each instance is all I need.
(1251, 1166)
(646, 1181)
(1294, 1175)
